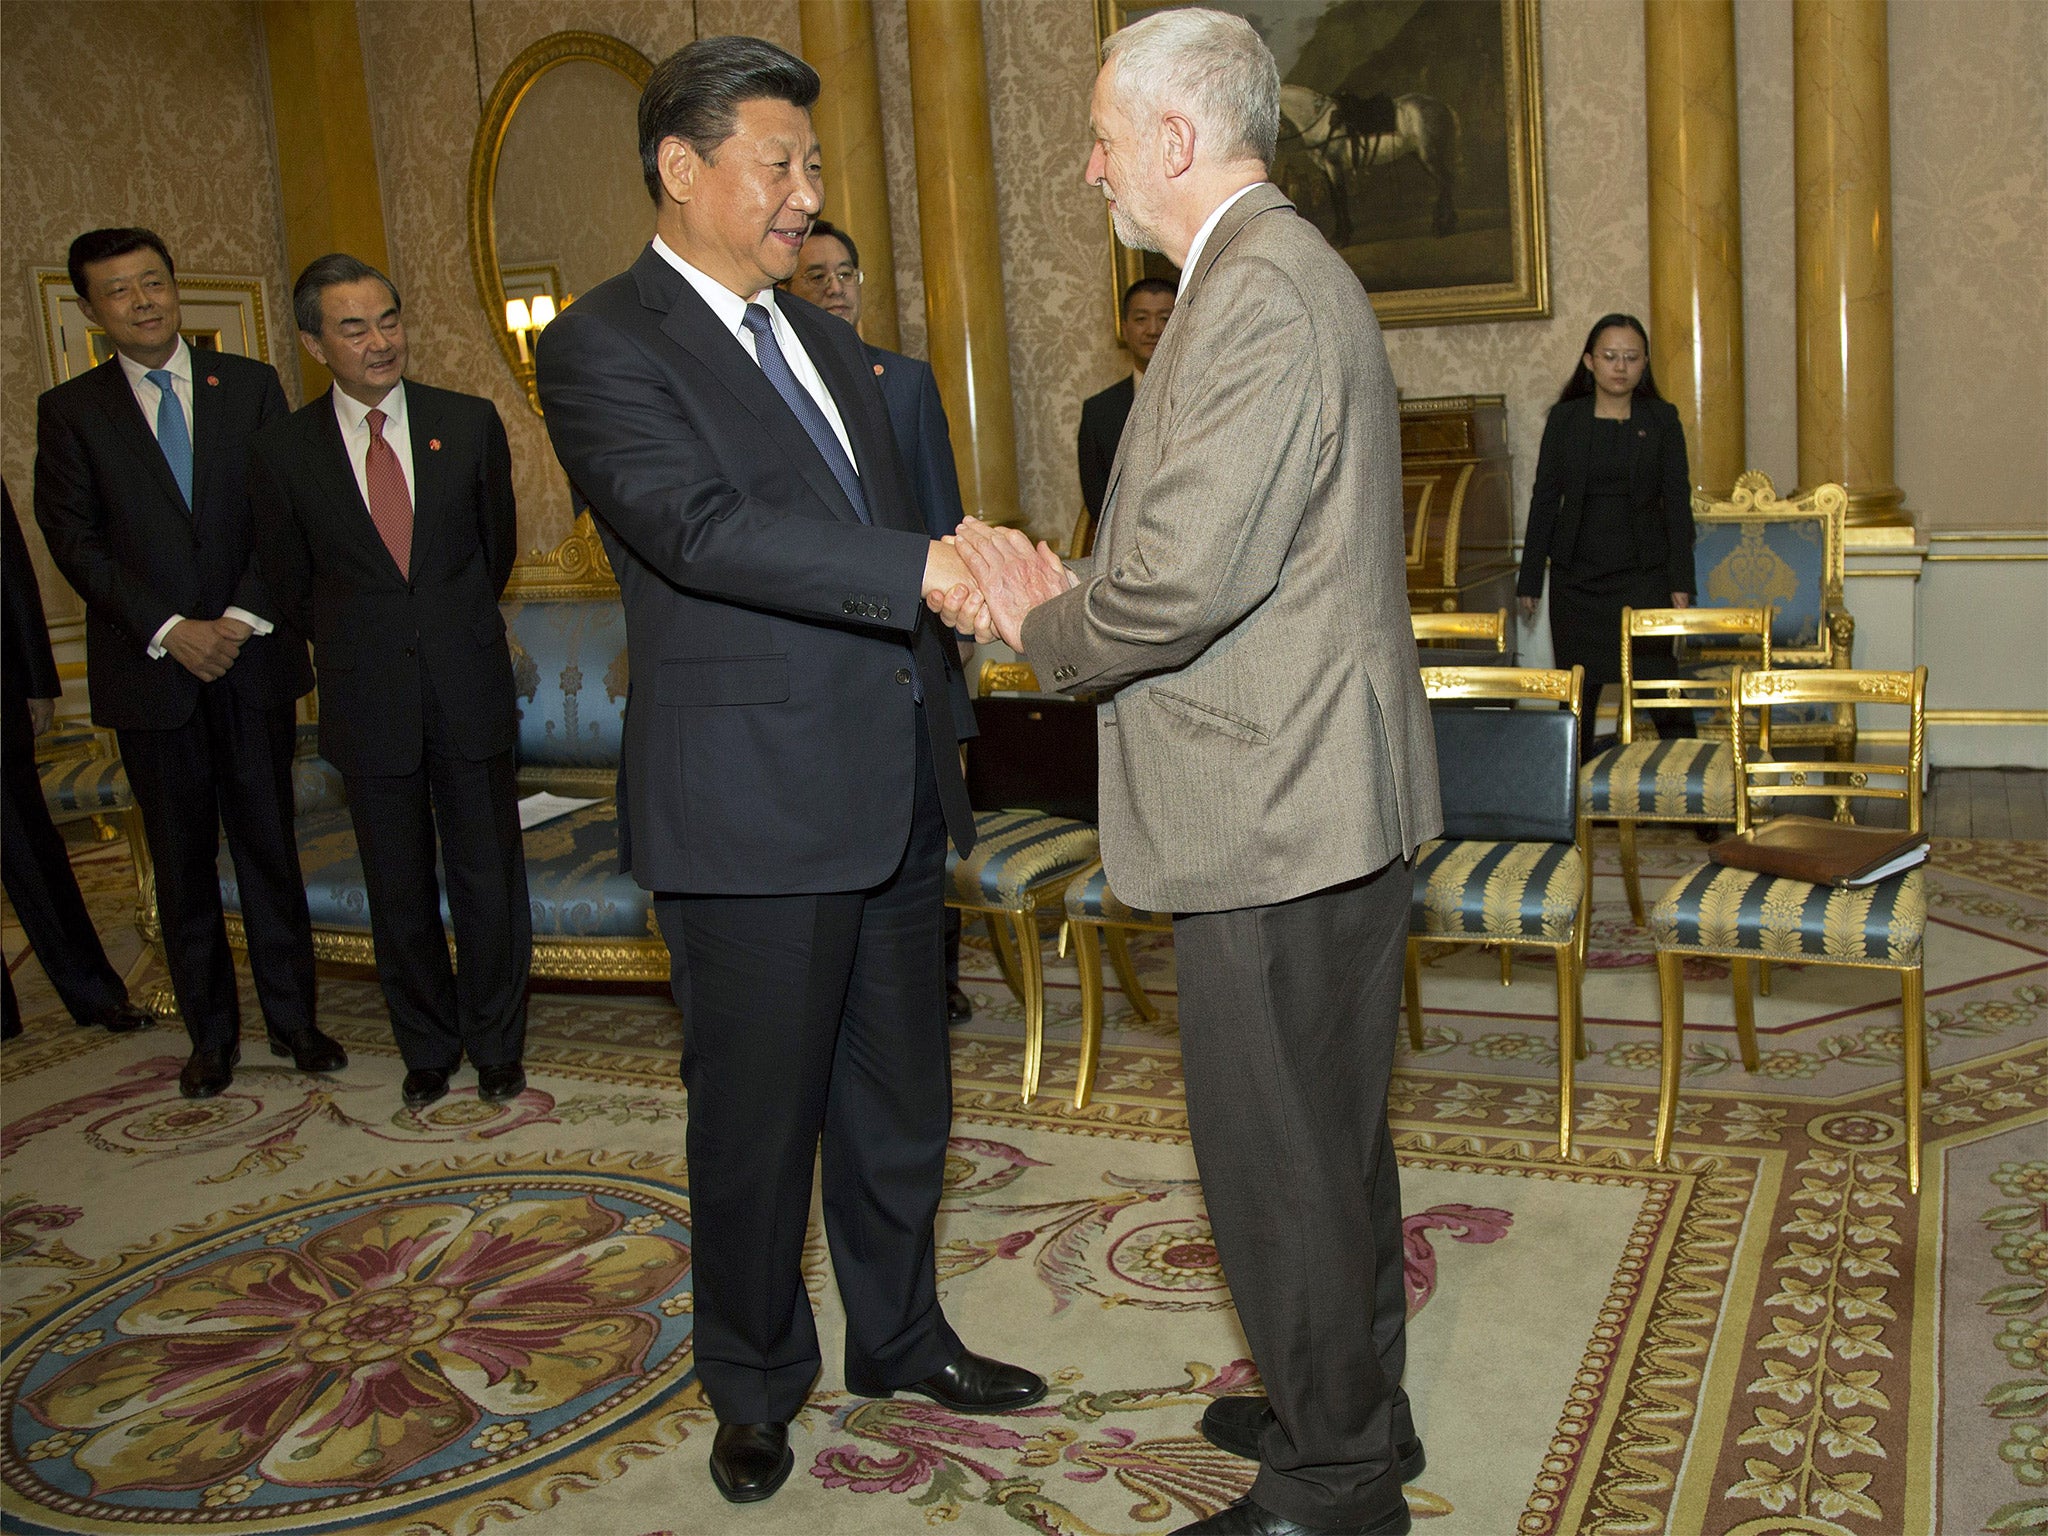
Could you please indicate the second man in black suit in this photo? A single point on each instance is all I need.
(387, 532)
(142, 493)
(1148, 305)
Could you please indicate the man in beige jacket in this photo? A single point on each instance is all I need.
(1268, 766)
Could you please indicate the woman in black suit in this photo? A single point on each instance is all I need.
(1611, 513)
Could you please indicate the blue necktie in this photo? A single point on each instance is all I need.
(798, 399)
(172, 435)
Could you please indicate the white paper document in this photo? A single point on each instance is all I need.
(1914, 855)
(536, 810)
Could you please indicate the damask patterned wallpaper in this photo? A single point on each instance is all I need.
(88, 140)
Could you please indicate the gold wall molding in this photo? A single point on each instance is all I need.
(967, 334)
(1987, 559)
(326, 152)
(839, 43)
(1695, 199)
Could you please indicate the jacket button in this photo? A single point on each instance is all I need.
(903, 674)
(849, 606)
(408, 650)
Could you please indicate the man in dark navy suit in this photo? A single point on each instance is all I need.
(386, 526)
(791, 770)
(828, 275)
(1148, 305)
(37, 870)
(142, 494)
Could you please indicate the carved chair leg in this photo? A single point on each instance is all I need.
(1671, 1002)
(1031, 971)
(1745, 1013)
(1006, 957)
(1127, 974)
(1913, 1008)
(1088, 955)
(1570, 1030)
(1411, 992)
(1631, 878)
(1763, 977)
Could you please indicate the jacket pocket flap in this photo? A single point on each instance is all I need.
(1207, 714)
(713, 680)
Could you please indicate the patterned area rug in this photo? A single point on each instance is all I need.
(301, 1307)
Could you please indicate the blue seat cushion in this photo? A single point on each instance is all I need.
(572, 877)
(1721, 910)
(1661, 778)
(1090, 900)
(1528, 891)
(1016, 853)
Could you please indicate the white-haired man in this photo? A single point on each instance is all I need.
(1268, 766)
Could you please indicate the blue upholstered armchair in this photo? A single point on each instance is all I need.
(1759, 550)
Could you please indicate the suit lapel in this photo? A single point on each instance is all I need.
(691, 325)
(1581, 456)
(118, 401)
(338, 480)
(208, 427)
(872, 436)
(432, 478)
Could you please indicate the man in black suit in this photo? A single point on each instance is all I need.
(386, 528)
(1148, 305)
(141, 490)
(33, 863)
(828, 275)
(790, 772)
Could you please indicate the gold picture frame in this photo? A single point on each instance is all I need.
(1424, 120)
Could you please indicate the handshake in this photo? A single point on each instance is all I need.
(985, 581)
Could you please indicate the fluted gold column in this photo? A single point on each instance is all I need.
(963, 269)
(326, 155)
(1842, 198)
(839, 43)
(1696, 229)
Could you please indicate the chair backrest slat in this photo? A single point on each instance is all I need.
(1763, 779)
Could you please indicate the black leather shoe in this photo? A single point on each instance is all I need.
(750, 1461)
(494, 1085)
(120, 1019)
(1235, 1424)
(208, 1072)
(310, 1052)
(959, 1006)
(976, 1384)
(422, 1087)
(1244, 1518)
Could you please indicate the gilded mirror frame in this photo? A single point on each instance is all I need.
(556, 49)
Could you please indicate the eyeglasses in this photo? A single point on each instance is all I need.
(1610, 358)
(823, 278)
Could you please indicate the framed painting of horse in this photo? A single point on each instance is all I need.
(1411, 135)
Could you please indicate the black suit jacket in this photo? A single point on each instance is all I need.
(120, 531)
(770, 742)
(918, 418)
(1102, 428)
(29, 668)
(380, 637)
(1660, 492)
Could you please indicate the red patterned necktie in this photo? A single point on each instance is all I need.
(390, 502)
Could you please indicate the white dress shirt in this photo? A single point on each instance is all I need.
(731, 311)
(1208, 228)
(354, 417)
(150, 398)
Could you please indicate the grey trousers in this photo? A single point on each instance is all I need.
(1288, 1016)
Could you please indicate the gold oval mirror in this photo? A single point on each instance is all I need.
(556, 203)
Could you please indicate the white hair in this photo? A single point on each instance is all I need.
(1209, 64)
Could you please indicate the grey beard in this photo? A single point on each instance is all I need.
(1132, 233)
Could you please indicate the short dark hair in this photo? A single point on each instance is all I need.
(105, 244)
(330, 271)
(695, 93)
(832, 231)
(1147, 285)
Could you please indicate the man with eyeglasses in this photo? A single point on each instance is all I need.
(828, 275)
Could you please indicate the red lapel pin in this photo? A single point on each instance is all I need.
(211, 379)
(878, 370)
(434, 443)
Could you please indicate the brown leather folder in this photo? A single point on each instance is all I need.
(1819, 852)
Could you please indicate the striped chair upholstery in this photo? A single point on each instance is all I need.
(1096, 916)
(1021, 861)
(75, 786)
(1717, 908)
(1497, 890)
(1662, 777)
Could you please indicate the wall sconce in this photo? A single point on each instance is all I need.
(526, 318)
(519, 320)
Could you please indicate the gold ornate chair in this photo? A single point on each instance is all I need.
(1511, 869)
(1683, 779)
(1099, 919)
(1471, 630)
(1741, 916)
(1761, 550)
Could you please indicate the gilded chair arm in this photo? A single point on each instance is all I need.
(1842, 633)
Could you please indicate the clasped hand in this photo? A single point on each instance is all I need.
(985, 580)
(207, 647)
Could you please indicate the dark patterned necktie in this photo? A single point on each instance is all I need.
(769, 354)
